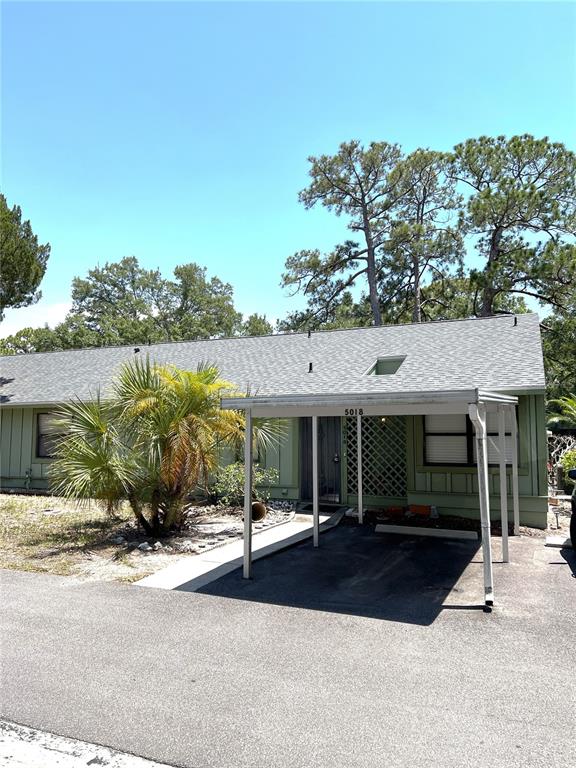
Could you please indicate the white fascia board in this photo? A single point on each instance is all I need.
(352, 399)
(523, 390)
(368, 399)
(369, 404)
(395, 409)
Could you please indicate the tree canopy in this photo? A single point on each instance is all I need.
(124, 303)
(511, 201)
(487, 228)
(23, 259)
(360, 184)
(559, 345)
(522, 209)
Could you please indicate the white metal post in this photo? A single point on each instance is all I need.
(315, 493)
(478, 417)
(248, 496)
(359, 468)
(503, 482)
(515, 497)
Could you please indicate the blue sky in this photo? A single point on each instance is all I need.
(179, 132)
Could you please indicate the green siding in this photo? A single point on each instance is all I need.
(453, 490)
(283, 456)
(5, 441)
(18, 449)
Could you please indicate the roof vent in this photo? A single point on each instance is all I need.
(309, 367)
(136, 349)
(385, 366)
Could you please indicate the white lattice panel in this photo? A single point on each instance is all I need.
(383, 456)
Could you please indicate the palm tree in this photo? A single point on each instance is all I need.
(567, 415)
(154, 441)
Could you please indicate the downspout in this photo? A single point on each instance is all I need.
(477, 413)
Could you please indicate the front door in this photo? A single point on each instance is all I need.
(328, 458)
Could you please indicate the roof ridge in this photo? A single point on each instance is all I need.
(146, 345)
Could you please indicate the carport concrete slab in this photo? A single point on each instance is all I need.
(208, 681)
(437, 533)
(194, 572)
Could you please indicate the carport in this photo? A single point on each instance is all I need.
(475, 403)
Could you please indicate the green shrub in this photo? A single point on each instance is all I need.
(568, 461)
(228, 485)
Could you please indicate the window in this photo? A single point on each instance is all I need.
(449, 439)
(46, 436)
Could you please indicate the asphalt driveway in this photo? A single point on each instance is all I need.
(305, 675)
(360, 573)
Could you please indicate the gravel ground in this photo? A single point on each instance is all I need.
(559, 519)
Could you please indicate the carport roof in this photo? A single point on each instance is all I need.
(373, 403)
(501, 353)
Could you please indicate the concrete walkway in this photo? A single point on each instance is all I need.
(192, 573)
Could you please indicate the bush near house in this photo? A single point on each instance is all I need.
(228, 486)
(568, 462)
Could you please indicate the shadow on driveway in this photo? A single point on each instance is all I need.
(570, 556)
(358, 572)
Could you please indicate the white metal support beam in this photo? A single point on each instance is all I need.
(247, 571)
(515, 495)
(478, 417)
(503, 482)
(315, 490)
(359, 469)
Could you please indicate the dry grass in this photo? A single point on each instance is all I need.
(52, 535)
(48, 534)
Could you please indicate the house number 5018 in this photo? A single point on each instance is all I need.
(353, 411)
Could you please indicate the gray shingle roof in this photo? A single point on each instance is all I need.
(489, 353)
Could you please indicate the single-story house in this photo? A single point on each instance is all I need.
(384, 416)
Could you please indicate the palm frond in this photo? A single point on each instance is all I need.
(567, 415)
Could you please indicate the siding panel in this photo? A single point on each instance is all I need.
(5, 441)
(16, 443)
(26, 449)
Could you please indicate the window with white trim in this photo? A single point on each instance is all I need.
(449, 440)
(46, 436)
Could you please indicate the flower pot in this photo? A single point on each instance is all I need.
(259, 511)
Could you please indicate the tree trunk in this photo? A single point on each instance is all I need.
(417, 309)
(371, 272)
(173, 516)
(155, 517)
(487, 303)
(138, 514)
(489, 291)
